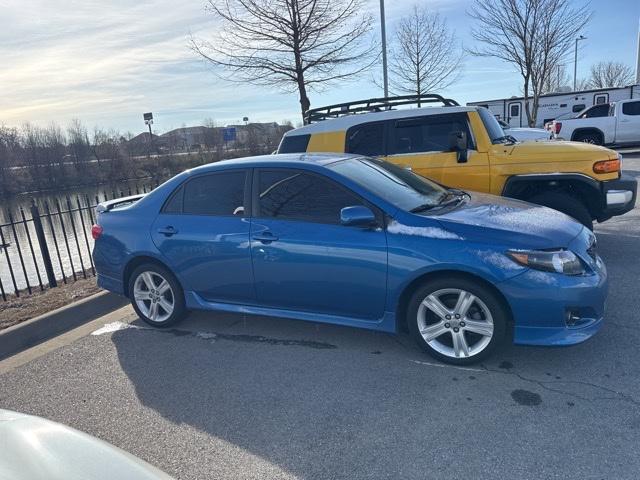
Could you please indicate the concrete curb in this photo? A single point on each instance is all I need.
(32, 332)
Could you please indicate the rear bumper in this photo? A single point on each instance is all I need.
(551, 309)
(619, 196)
(112, 284)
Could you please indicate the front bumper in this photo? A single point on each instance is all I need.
(619, 196)
(552, 309)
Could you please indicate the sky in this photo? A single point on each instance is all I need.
(106, 63)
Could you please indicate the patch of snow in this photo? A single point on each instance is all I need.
(113, 327)
(428, 232)
(499, 260)
(206, 335)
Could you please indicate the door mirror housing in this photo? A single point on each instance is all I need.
(357, 216)
(459, 143)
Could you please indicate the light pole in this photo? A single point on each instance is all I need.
(575, 62)
(384, 50)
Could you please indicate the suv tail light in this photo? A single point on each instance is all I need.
(558, 127)
(96, 231)
(607, 166)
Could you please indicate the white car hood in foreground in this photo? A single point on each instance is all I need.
(32, 448)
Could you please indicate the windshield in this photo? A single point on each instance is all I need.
(398, 186)
(495, 131)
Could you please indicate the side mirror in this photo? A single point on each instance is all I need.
(357, 216)
(458, 142)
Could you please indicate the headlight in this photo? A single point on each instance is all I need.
(557, 261)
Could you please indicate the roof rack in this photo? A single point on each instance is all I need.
(373, 105)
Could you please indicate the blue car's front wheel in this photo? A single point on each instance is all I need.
(457, 320)
(156, 295)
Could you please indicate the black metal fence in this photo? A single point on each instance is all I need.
(45, 245)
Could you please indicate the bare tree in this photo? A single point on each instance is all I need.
(424, 57)
(557, 79)
(610, 75)
(289, 44)
(532, 35)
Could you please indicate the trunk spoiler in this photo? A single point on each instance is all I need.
(117, 203)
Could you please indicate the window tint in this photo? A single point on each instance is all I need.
(430, 133)
(578, 108)
(294, 144)
(631, 108)
(174, 205)
(366, 139)
(215, 194)
(296, 195)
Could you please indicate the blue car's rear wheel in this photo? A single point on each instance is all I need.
(457, 320)
(156, 295)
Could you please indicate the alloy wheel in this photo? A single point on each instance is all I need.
(455, 323)
(154, 296)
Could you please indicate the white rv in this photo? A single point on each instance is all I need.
(552, 105)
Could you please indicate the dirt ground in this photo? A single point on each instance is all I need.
(25, 307)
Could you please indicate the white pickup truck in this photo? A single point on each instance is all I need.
(619, 124)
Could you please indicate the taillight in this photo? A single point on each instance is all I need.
(607, 166)
(96, 231)
(558, 126)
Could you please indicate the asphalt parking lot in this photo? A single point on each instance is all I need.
(228, 397)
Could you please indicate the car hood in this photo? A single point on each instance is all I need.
(559, 150)
(508, 221)
(33, 447)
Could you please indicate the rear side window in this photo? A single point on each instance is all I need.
(631, 108)
(366, 139)
(430, 133)
(294, 144)
(174, 205)
(597, 111)
(215, 194)
(297, 195)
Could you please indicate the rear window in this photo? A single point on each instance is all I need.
(294, 144)
(215, 194)
(631, 108)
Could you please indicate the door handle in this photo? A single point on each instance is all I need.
(167, 231)
(266, 237)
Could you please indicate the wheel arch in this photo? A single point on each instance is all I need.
(413, 285)
(584, 188)
(589, 130)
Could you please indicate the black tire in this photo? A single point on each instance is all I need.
(565, 203)
(420, 317)
(594, 138)
(174, 295)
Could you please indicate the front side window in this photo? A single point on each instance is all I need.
(631, 108)
(366, 139)
(298, 195)
(215, 194)
(431, 133)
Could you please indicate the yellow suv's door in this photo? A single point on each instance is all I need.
(423, 143)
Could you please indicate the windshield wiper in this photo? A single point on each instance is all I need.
(505, 139)
(457, 195)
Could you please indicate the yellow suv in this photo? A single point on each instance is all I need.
(466, 147)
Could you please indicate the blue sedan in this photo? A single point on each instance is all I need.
(353, 241)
